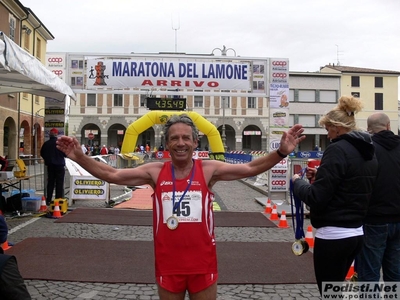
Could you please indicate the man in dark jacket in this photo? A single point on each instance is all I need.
(54, 159)
(381, 247)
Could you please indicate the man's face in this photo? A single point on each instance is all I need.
(180, 142)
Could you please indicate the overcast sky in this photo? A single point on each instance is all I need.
(310, 33)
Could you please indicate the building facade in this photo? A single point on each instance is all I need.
(311, 95)
(243, 117)
(377, 88)
(105, 114)
(22, 115)
(102, 117)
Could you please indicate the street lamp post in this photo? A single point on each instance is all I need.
(35, 128)
(224, 50)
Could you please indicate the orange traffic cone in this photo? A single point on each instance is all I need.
(5, 246)
(351, 272)
(56, 211)
(309, 237)
(268, 208)
(283, 222)
(43, 206)
(274, 214)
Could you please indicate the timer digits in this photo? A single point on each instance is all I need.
(166, 103)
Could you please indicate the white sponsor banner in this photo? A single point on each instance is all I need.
(168, 73)
(84, 185)
(56, 63)
(278, 176)
(88, 187)
(279, 70)
(279, 120)
(279, 95)
(54, 117)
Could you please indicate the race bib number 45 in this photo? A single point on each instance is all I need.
(189, 209)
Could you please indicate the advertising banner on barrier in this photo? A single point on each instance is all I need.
(309, 154)
(196, 155)
(83, 185)
(88, 187)
(278, 177)
(279, 121)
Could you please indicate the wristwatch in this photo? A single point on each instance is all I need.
(280, 153)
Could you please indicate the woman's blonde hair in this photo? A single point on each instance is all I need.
(343, 114)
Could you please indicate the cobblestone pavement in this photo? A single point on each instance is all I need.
(233, 196)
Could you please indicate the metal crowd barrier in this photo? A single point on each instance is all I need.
(36, 168)
(34, 174)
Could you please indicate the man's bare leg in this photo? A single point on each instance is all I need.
(167, 295)
(209, 293)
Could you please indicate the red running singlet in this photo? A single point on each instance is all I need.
(190, 248)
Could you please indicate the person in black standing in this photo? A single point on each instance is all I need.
(12, 285)
(339, 196)
(54, 159)
(380, 254)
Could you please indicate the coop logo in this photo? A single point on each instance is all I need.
(279, 75)
(279, 63)
(305, 154)
(55, 59)
(278, 171)
(58, 72)
(203, 154)
(279, 182)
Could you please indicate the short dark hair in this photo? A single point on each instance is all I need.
(184, 119)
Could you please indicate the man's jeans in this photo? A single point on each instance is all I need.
(381, 249)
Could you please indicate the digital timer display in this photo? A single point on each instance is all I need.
(166, 103)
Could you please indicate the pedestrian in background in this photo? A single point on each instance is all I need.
(3, 163)
(103, 150)
(339, 196)
(54, 159)
(381, 247)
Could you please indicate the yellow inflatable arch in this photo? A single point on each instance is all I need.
(161, 117)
